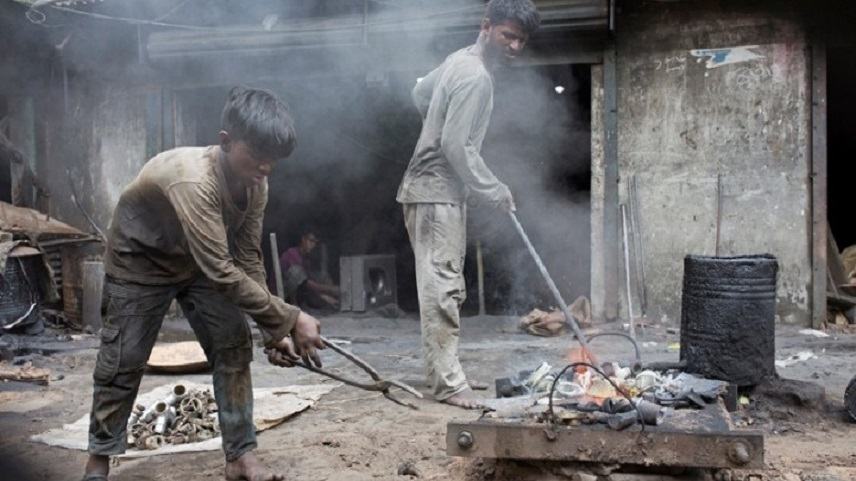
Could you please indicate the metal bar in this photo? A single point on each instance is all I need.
(638, 247)
(277, 270)
(610, 181)
(552, 285)
(718, 227)
(818, 185)
(480, 268)
(627, 273)
(598, 444)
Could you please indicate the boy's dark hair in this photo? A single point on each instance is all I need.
(523, 11)
(260, 119)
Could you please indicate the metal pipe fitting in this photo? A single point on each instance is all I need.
(165, 417)
(178, 393)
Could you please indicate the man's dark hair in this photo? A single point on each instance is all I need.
(260, 119)
(309, 229)
(522, 11)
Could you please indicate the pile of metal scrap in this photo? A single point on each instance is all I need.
(182, 417)
(612, 417)
(46, 269)
(611, 395)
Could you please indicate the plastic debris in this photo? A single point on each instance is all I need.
(796, 358)
(813, 332)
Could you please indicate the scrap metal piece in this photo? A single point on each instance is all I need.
(380, 384)
(598, 444)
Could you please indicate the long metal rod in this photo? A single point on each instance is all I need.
(627, 273)
(480, 266)
(718, 213)
(277, 270)
(558, 296)
(638, 247)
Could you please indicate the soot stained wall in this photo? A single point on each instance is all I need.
(686, 118)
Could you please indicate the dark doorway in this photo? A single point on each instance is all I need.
(5, 157)
(841, 138)
(540, 144)
(356, 135)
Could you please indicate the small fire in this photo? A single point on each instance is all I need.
(597, 390)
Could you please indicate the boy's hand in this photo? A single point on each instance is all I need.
(282, 353)
(306, 336)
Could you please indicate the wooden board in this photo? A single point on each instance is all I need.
(178, 357)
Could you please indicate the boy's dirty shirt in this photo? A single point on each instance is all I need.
(177, 220)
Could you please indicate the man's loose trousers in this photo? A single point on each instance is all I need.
(439, 238)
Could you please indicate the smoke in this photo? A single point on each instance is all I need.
(346, 70)
(539, 144)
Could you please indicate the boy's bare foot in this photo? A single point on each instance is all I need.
(465, 399)
(249, 468)
(97, 467)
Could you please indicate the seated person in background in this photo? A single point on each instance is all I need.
(304, 286)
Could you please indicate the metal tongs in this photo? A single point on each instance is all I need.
(379, 385)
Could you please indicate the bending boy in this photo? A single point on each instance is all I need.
(189, 228)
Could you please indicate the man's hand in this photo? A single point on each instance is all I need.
(506, 202)
(282, 353)
(307, 338)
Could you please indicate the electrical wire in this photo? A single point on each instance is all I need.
(626, 336)
(552, 415)
(38, 17)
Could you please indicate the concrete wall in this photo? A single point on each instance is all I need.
(93, 147)
(686, 119)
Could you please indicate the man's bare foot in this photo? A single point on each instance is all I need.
(97, 467)
(249, 468)
(465, 399)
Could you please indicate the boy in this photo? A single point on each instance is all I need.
(189, 228)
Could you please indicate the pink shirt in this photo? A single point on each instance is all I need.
(291, 257)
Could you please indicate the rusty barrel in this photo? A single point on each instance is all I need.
(728, 317)
(850, 399)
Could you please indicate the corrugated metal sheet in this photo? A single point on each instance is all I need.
(428, 19)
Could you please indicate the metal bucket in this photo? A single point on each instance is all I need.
(728, 317)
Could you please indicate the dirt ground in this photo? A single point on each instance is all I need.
(353, 435)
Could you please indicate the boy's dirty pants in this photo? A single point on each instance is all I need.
(439, 238)
(134, 316)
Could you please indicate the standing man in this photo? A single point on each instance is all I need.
(455, 101)
(189, 228)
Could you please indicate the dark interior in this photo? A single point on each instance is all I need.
(355, 137)
(841, 138)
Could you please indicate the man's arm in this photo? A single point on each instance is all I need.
(423, 91)
(469, 101)
(198, 210)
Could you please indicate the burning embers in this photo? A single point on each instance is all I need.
(611, 394)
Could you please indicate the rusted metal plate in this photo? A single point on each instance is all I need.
(656, 446)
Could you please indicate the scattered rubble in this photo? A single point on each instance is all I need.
(24, 373)
(612, 395)
(813, 332)
(799, 357)
(553, 323)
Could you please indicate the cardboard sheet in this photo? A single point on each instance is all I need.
(272, 406)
